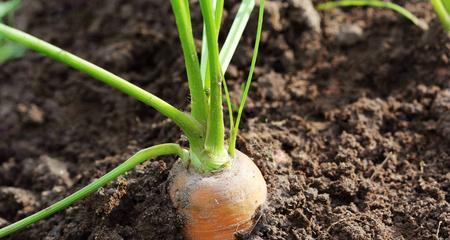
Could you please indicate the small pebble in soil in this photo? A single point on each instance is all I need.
(441, 103)
(324, 198)
(3, 222)
(311, 193)
(32, 112)
(57, 168)
(349, 34)
(273, 10)
(308, 14)
(18, 199)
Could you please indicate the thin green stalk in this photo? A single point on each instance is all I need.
(229, 105)
(189, 125)
(214, 142)
(441, 12)
(233, 135)
(230, 45)
(138, 158)
(228, 50)
(218, 10)
(198, 98)
(218, 18)
(235, 33)
(375, 3)
(204, 64)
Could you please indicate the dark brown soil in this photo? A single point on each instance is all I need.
(349, 121)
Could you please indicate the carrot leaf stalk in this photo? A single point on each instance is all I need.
(442, 9)
(184, 121)
(183, 21)
(215, 152)
(228, 49)
(138, 158)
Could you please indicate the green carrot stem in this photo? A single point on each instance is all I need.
(218, 22)
(228, 49)
(184, 25)
(235, 33)
(214, 142)
(441, 12)
(229, 105)
(218, 10)
(189, 125)
(138, 158)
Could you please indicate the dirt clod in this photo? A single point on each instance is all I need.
(349, 34)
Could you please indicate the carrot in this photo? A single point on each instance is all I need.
(217, 206)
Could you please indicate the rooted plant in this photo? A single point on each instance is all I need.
(216, 188)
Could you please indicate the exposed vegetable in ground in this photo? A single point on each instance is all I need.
(215, 210)
(236, 194)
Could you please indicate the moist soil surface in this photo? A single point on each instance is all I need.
(348, 120)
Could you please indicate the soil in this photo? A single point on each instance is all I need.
(348, 120)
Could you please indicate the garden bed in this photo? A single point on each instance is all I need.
(349, 122)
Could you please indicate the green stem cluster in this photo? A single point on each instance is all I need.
(215, 133)
(211, 154)
(204, 127)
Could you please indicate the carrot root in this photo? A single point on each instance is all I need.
(218, 205)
